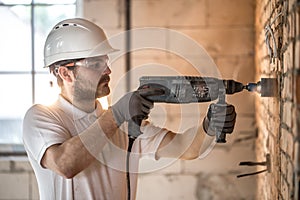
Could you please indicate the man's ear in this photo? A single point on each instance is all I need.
(65, 74)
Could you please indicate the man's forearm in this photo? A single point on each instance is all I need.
(185, 146)
(108, 123)
(77, 153)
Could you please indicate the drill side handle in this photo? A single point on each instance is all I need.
(220, 136)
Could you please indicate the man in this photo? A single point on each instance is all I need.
(77, 149)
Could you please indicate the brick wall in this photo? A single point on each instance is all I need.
(278, 118)
(225, 28)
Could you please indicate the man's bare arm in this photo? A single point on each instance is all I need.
(72, 156)
(185, 146)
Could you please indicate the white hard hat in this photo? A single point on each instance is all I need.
(73, 39)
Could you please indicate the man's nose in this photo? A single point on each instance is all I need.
(107, 71)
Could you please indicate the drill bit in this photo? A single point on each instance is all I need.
(267, 87)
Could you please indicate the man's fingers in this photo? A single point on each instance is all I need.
(224, 118)
(145, 110)
(221, 110)
(145, 102)
(146, 92)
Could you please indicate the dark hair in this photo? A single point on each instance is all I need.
(54, 67)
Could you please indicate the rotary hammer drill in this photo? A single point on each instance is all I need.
(191, 89)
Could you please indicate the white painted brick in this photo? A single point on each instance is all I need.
(14, 186)
(230, 12)
(161, 166)
(234, 41)
(34, 192)
(216, 186)
(243, 135)
(169, 64)
(168, 13)
(167, 187)
(23, 166)
(239, 68)
(202, 186)
(4, 165)
(143, 41)
(243, 102)
(118, 81)
(149, 38)
(175, 66)
(104, 13)
(245, 124)
(222, 161)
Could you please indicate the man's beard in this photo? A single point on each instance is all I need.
(89, 94)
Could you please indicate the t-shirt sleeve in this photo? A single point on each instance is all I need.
(150, 140)
(42, 129)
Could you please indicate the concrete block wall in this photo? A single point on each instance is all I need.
(17, 180)
(225, 28)
(278, 117)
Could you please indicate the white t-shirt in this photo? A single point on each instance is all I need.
(105, 178)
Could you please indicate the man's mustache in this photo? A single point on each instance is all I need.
(104, 79)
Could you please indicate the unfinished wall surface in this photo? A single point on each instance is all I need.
(277, 55)
(225, 28)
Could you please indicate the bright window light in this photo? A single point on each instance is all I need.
(23, 80)
(104, 102)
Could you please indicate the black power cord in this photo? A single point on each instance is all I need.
(133, 132)
(129, 148)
